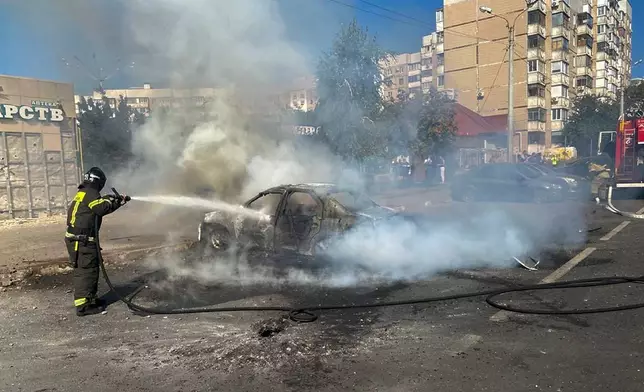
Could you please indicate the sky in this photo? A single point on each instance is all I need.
(43, 32)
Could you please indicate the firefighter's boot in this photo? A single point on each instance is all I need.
(87, 308)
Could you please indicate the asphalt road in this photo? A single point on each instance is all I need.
(450, 346)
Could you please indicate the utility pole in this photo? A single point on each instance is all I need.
(510, 26)
(511, 95)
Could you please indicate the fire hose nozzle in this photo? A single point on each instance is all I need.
(118, 195)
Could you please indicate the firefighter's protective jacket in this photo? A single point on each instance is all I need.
(88, 204)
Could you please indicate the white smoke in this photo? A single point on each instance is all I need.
(239, 47)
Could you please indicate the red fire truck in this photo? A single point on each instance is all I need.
(629, 149)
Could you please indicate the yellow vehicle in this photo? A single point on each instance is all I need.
(560, 154)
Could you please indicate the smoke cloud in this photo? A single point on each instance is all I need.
(240, 48)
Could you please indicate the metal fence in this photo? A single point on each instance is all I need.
(471, 157)
(33, 180)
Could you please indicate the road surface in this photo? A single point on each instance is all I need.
(450, 346)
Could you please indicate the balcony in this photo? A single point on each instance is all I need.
(536, 54)
(556, 125)
(539, 5)
(426, 67)
(536, 126)
(560, 102)
(602, 20)
(560, 6)
(584, 71)
(534, 29)
(584, 51)
(440, 69)
(536, 78)
(602, 37)
(440, 47)
(560, 78)
(584, 29)
(426, 79)
(534, 102)
(561, 31)
(561, 55)
(439, 26)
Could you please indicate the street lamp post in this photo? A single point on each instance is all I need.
(510, 27)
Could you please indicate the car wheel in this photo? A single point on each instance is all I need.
(216, 238)
(469, 195)
(540, 197)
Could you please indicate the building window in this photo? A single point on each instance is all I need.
(536, 90)
(536, 66)
(401, 81)
(601, 11)
(601, 29)
(560, 19)
(583, 61)
(535, 138)
(426, 73)
(537, 114)
(440, 59)
(559, 43)
(559, 67)
(585, 82)
(559, 91)
(413, 78)
(439, 16)
(536, 17)
(427, 86)
(585, 19)
(441, 81)
(414, 67)
(585, 41)
(440, 37)
(536, 41)
(559, 114)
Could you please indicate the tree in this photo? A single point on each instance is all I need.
(437, 125)
(349, 91)
(106, 132)
(590, 115)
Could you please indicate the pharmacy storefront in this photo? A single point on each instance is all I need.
(39, 168)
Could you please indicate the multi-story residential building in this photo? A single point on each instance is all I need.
(302, 95)
(562, 48)
(402, 74)
(145, 99)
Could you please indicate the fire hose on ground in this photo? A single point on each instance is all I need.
(610, 207)
(306, 314)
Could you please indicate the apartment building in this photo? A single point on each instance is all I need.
(146, 99)
(562, 48)
(402, 73)
(301, 95)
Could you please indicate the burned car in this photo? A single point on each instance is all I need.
(302, 218)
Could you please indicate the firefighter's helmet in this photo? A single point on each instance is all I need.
(96, 176)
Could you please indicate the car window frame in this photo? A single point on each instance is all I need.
(316, 198)
(264, 194)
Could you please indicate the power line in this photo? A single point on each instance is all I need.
(498, 71)
(394, 12)
(376, 14)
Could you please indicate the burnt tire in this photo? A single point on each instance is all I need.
(215, 238)
(468, 195)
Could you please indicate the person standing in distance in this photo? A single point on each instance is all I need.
(80, 238)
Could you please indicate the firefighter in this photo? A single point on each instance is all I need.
(80, 238)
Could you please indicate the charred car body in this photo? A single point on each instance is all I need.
(302, 218)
